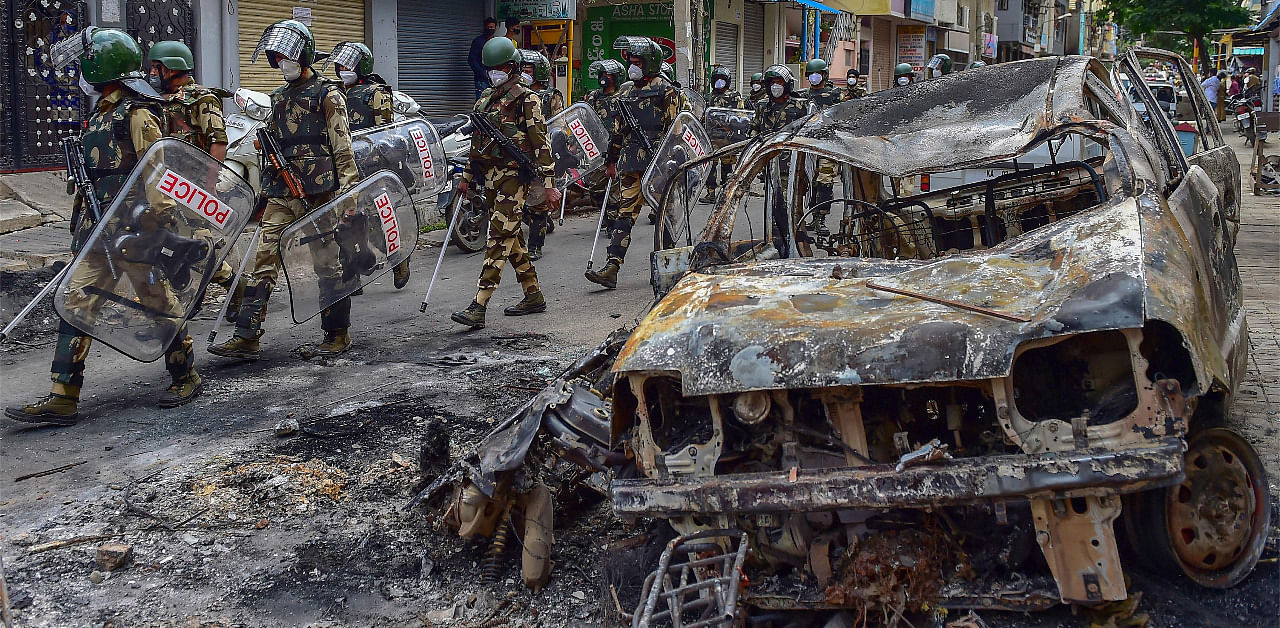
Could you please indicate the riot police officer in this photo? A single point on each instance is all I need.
(721, 96)
(853, 87)
(903, 75)
(309, 121)
(758, 92)
(610, 75)
(517, 113)
(126, 120)
(939, 65)
(369, 104)
(655, 103)
(822, 93)
(780, 109)
(535, 70)
(193, 113)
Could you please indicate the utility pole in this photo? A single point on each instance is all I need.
(688, 38)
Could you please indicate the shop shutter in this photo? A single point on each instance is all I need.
(882, 57)
(434, 41)
(726, 43)
(752, 43)
(332, 21)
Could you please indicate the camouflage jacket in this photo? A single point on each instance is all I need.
(517, 112)
(856, 91)
(121, 128)
(194, 114)
(309, 121)
(369, 105)
(605, 106)
(728, 99)
(655, 105)
(824, 96)
(552, 102)
(772, 115)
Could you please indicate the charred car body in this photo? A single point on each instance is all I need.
(952, 398)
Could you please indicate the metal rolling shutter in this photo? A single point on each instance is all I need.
(727, 48)
(752, 43)
(881, 56)
(434, 39)
(332, 21)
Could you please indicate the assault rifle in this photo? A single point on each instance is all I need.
(78, 179)
(277, 165)
(482, 123)
(629, 119)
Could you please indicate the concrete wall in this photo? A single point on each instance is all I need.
(380, 32)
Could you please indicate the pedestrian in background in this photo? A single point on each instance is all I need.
(478, 72)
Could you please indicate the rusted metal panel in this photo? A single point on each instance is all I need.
(1094, 472)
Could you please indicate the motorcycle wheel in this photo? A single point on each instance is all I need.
(473, 225)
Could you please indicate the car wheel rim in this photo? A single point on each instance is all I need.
(1211, 513)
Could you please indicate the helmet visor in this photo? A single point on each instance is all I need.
(345, 55)
(287, 42)
(67, 50)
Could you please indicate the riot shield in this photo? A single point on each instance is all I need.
(685, 140)
(696, 102)
(410, 148)
(352, 239)
(727, 126)
(143, 269)
(579, 142)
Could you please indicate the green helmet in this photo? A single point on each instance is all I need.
(669, 72)
(111, 55)
(782, 72)
(173, 55)
(903, 69)
(758, 77)
(606, 67)
(816, 65)
(977, 64)
(354, 55)
(940, 65)
(499, 51)
(541, 66)
(290, 39)
(719, 71)
(643, 47)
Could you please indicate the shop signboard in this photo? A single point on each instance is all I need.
(911, 46)
(538, 9)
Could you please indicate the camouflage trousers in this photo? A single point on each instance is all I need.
(506, 243)
(72, 349)
(724, 166)
(628, 211)
(539, 214)
(279, 214)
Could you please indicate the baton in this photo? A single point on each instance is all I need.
(564, 197)
(608, 189)
(4, 335)
(453, 223)
(244, 261)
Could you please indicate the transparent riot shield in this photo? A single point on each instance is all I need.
(727, 126)
(410, 148)
(695, 101)
(353, 239)
(579, 142)
(685, 140)
(143, 269)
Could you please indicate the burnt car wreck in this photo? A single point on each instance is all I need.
(965, 395)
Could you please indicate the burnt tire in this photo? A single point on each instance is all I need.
(1212, 526)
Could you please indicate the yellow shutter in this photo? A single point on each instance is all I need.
(332, 21)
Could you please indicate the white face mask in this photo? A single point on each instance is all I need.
(497, 77)
(755, 87)
(815, 79)
(88, 88)
(776, 90)
(348, 77)
(526, 78)
(290, 69)
(720, 83)
(635, 72)
(903, 80)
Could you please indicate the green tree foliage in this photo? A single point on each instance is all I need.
(1196, 18)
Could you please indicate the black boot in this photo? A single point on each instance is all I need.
(472, 317)
(532, 303)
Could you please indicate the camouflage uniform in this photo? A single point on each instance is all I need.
(605, 106)
(771, 116)
(309, 120)
(728, 99)
(368, 105)
(655, 103)
(536, 203)
(517, 111)
(854, 90)
(120, 129)
(827, 173)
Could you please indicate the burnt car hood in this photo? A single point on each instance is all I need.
(807, 323)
